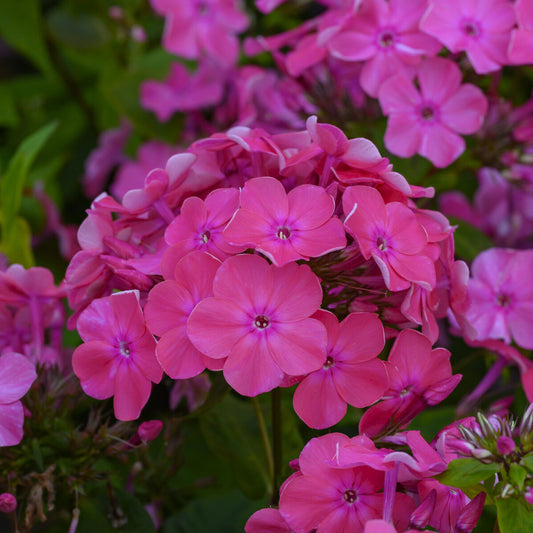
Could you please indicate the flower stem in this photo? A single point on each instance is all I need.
(264, 435)
(277, 440)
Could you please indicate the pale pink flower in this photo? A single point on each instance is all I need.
(117, 357)
(16, 376)
(427, 121)
(386, 36)
(286, 227)
(259, 318)
(352, 374)
(481, 28)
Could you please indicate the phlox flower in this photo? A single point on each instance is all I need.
(117, 357)
(419, 376)
(267, 521)
(286, 227)
(481, 28)
(259, 318)
(521, 45)
(427, 121)
(391, 235)
(168, 307)
(17, 374)
(351, 374)
(199, 226)
(502, 296)
(386, 36)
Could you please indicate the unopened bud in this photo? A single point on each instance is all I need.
(505, 445)
(487, 428)
(507, 490)
(480, 454)
(470, 514)
(149, 430)
(421, 516)
(8, 502)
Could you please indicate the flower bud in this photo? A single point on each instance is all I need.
(528, 495)
(8, 503)
(505, 445)
(421, 516)
(480, 454)
(507, 490)
(149, 430)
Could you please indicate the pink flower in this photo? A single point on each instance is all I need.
(391, 235)
(502, 296)
(419, 376)
(481, 29)
(16, 376)
(286, 227)
(267, 521)
(521, 45)
(386, 36)
(8, 502)
(259, 318)
(168, 307)
(352, 373)
(427, 121)
(118, 355)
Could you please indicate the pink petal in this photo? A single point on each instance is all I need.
(127, 312)
(352, 46)
(267, 198)
(300, 198)
(403, 136)
(247, 227)
(320, 241)
(439, 79)
(360, 337)
(465, 111)
(196, 271)
(11, 423)
(178, 357)
(441, 145)
(187, 224)
(143, 356)
(418, 269)
(17, 374)
(398, 95)
(132, 391)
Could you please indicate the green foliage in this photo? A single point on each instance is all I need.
(462, 473)
(514, 516)
(469, 241)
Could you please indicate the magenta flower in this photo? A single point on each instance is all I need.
(267, 521)
(118, 355)
(428, 121)
(419, 376)
(168, 307)
(352, 374)
(282, 226)
(481, 29)
(386, 36)
(502, 296)
(16, 376)
(259, 318)
(391, 235)
(521, 45)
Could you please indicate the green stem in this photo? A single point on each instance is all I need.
(277, 439)
(264, 435)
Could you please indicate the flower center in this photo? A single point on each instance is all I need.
(471, 28)
(406, 391)
(205, 236)
(427, 113)
(329, 363)
(381, 243)
(283, 233)
(124, 349)
(386, 39)
(350, 496)
(503, 300)
(261, 322)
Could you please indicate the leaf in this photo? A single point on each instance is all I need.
(518, 475)
(8, 112)
(21, 27)
(469, 241)
(514, 516)
(16, 244)
(462, 473)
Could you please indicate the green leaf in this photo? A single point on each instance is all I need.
(8, 111)
(16, 243)
(469, 241)
(21, 27)
(527, 461)
(466, 472)
(517, 474)
(514, 516)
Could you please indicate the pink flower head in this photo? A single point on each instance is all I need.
(259, 318)
(351, 374)
(8, 502)
(267, 521)
(16, 376)
(481, 28)
(286, 227)
(419, 376)
(386, 36)
(391, 235)
(427, 121)
(521, 45)
(502, 296)
(199, 27)
(168, 308)
(118, 355)
(199, 226)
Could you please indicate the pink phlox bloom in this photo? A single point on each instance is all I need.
(481, 29)
(104, 158)
(419, 376)
(131, 174)
(521, 45)
(199, 27)
(184, 91)
(199, 226)
(194, 390)
(427, 121)
(19, 285)
(17, 374)
(336, 498)
(117, 357)
(391, 235)
(267, 521)
(501, 296)
(352, 374)
(259, 318)
(168, 308)
(281, 226)
(386, 36)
